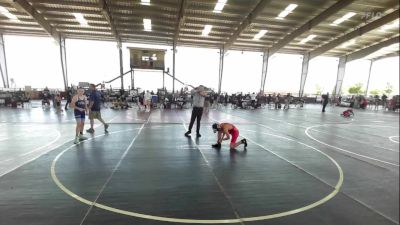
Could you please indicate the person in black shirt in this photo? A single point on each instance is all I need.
(269, 99)
(94, 109)
(69, 98)
(325, 101)
(384, 101)
(46, 98)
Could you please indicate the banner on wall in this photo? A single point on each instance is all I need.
(141, 58)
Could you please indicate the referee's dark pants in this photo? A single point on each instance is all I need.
(197, 112)
(68, 102)
(324, 106)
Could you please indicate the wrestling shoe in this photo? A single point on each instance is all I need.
(244, 141)
(218, 145)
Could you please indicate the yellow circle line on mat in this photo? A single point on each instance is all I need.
(200, 221)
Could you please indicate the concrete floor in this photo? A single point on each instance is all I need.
(301, 167)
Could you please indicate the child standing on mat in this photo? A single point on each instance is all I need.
(79, 104)
(224, 132)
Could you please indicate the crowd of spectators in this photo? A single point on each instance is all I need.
(375, 102)
(147, 99)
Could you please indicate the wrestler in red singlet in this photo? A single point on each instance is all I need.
(225, 130)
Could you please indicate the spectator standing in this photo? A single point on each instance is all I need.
(277, 100)
(147, 100)
(384, 101)
(325, 100)
(94, 109)
(69, 98)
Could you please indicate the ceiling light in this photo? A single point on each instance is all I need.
(3, 10)
(6, 13)
(260, 34)
(11, 16)
(206, 30)
(283, 14)
(349, 15)
(145, 2)
(287, 11)
(343, 18)
(291, 7)
(394, 24)
(79, 17)
(147, 24)
(219, 6)
(307, 39)
(346, 44)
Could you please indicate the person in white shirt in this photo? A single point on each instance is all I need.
(253, 98)
(147, 100)
(288, 99)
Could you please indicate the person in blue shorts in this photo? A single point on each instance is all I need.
(79, 104)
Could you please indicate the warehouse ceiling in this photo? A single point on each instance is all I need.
(318, 27)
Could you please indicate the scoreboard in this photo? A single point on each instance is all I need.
(141, 58)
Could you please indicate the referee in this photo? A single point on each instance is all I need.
(198, 104)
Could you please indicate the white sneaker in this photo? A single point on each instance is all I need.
(76, 140)
(82, 138)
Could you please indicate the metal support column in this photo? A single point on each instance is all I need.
(340, 75)
(264, 70)
(132, 79)
(163, 80)
(63, 57)
(304, 72)
(121, 65)
(369, 76)
(221, 68)
(3, 63)
(173, 66)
